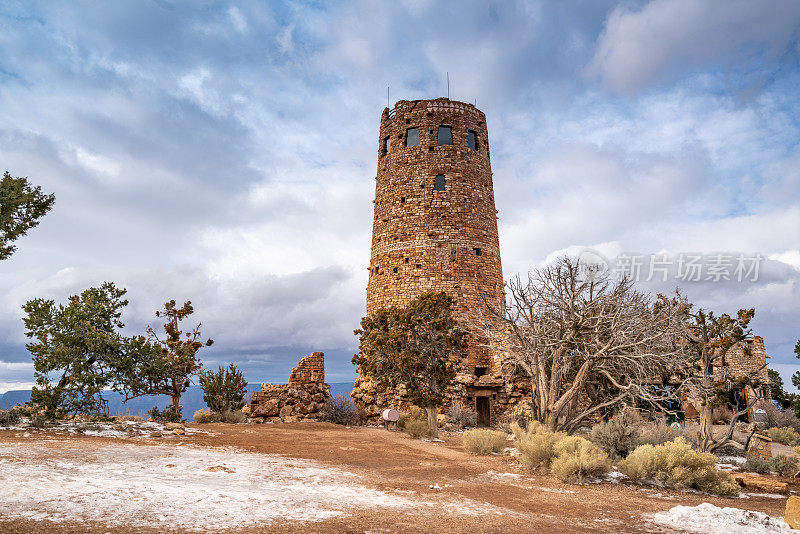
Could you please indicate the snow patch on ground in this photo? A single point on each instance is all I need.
(173, 486)
(708, 518)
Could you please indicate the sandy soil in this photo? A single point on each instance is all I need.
(478, 494)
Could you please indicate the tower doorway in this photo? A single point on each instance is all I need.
(483, 407)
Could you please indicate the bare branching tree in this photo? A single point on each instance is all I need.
(586, 342)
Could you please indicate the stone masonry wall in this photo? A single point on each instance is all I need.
(424, 239)
(302, 398)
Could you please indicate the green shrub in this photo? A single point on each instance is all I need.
(204, 416)
(417, 428)
(677, 465)
(536, 448)
(484, 441)
(339, 410)
(785, 435)
(757, 465)
(619, 435)
(223, 390)
(167, 415)
(461, 415)
(577, 459)
(785, 465)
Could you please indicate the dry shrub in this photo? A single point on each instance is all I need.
(721, 413)
(9, 417)
(484, 441)
(339, 410)
(577, 459)
(417, 428)
(235, 417)
(761, 466)
(462, 415)
(536, 447)
(416, 414)
(785, 465)
(676, 464)
(785, 435)
(780, 418)
(619, 435)
(203, 416)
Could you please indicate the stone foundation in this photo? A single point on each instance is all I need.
(301, 399)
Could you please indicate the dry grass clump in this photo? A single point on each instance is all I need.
(577, 459)
(203, 416)
(785, 435)
(676, 464)
(417, 428)
(483, 441)
(416, 414)
(761, 466)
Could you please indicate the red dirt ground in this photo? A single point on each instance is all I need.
(393, 461)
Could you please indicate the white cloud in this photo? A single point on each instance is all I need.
(667, 38)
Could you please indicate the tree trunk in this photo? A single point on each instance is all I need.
(433, 424)
(706, 428)
(176, 403)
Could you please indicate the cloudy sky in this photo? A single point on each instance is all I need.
(225, 152)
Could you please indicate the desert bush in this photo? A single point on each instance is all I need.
(536, 448)
(339, 410)
(757, 465)
(721, 413)
(577, 459)
(777, 418)
(9, 417)
(233, 416)
(657, 434)
(204, 416)
(785, 465)
(167, 415)
(785, 435)
(416, 414)
(417, 428)
(223, 390)
(619, 435)
(484, 441)
(676, 464)
(517, 431)
(461, 415)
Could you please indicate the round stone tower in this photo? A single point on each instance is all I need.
(435, 224)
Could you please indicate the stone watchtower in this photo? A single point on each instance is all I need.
(435, 224)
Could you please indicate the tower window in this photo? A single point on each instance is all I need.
(444, 136)
(476, 251)
(412, 137)
(453, 253)
(480, 371)
(402, 200)
(439, 182)
(472, 140)
(387, 145)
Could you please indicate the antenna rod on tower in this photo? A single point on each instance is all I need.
(387, 96)
(448, 85)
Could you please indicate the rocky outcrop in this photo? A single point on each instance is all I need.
(301, 399)
(760, 483)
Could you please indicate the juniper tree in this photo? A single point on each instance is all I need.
(223, 390)
(710, 338)
(415, 347)
(76, 348)
(21, 207)
(173, 360)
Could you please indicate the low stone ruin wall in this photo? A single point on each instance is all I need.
(301, 399)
